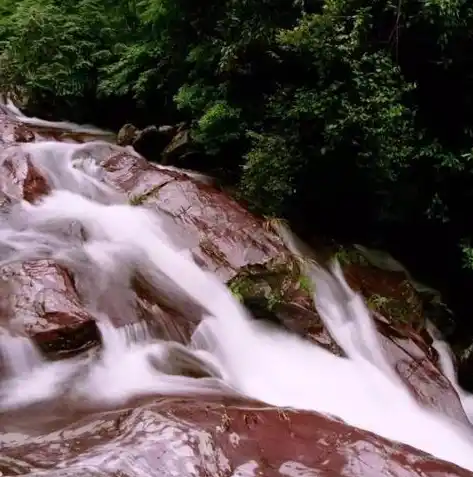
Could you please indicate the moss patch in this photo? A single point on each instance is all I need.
(348, 256)
(278, 281)
(279, 293)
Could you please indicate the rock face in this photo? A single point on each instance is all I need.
(204, 437)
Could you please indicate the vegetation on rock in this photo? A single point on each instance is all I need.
(268, 289)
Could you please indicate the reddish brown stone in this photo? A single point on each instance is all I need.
(229, 237)
(389, 292)
(210, 438)
(19, 179)
(168, 320)
(38, 298)
(12, 130)
(23, 134)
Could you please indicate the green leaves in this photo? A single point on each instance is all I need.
(220, 124)
(269, 173)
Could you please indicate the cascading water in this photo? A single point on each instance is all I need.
(229, 352)
(448, 369)
(6, 101)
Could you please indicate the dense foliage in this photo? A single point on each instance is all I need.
(350, 117)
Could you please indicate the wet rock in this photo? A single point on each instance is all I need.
(19, 179)
(23, 134)
(178, 147)
(38, 298)
(11, 129)
(433, 307)
(150, 142)
(389, 293)
(399, 315)
(278, 291)
(170, 317)
(227, 236)
(203, 438)
(167, 129)
(464, 364)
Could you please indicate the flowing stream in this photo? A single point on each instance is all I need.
(229, 353)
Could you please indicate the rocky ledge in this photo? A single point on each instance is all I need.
(212, 437)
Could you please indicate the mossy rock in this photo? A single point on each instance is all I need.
(279, 293)
(277, 281)
(389, 293)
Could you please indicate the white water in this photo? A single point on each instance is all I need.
(5, 100)
(448, 369)
(230, 352)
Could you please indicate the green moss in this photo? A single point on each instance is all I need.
(349, 256)
(396, 310)
(240, 287)
(266, 286)
(306, 284)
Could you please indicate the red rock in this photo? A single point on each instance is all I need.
(168, 320)
(23, 134)
(38, 298)
(19, 179)
(207, 438)
(229, 236)
(405, 344)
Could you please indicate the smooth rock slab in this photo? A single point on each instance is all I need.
(226, 236)
(220, 438)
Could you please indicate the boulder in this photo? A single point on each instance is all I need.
(19, 179)
(127, 135)
(179, 146)
(38, 299)
(149, 142)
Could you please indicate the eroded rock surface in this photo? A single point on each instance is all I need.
(198, 436)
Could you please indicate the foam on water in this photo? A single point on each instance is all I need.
(229, 352)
